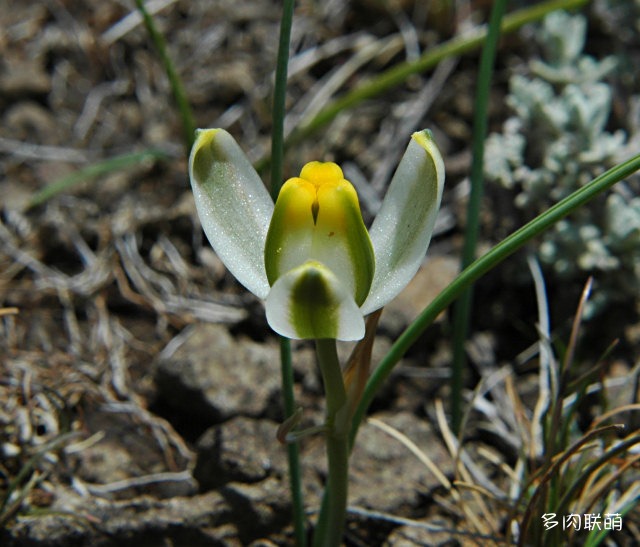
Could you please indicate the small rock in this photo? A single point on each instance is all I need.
(242, 449)
(259, 508)
(385, 475)
(207, 376)
(127, 458)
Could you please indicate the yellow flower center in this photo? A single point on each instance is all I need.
(320, 182)
(320, 173)
(317, 217)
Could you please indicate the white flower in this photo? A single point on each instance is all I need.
(310, 257)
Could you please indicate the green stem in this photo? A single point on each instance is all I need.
(462, 308)
(293, 449)
(334, 507)
(188, 123)
(277, 153)
(279, 95)
(480, 267)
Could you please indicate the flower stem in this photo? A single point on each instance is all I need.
(332, 514)
(293, 449)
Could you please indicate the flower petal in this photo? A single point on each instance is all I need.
(309, 302)
(290, 234)
(402, 229)
(233, 205)
(341, 240)
(317, 216)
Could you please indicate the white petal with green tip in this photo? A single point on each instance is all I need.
(233, 205)
(309, 302)
(402, 229)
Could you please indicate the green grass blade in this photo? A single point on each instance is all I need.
(462, 308)
(279, 96)
(293, 449)
(480, 267)
(92, 171)
(286, 368)
(188, 123)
